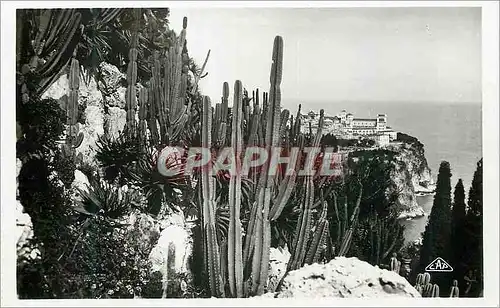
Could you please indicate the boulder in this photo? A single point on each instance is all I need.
(345, 278)
(81, 181)
(117, 98)
(111, 76)
(92, 129)
(278, 261)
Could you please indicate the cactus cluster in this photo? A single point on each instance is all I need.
(245, 129)
(56, 39)
(259, 121)
(164, 106)
(424, 286)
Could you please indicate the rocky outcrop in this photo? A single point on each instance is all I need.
(411, 176)
(414, 158)
(345, 278)
(101, 106)
(24, 227)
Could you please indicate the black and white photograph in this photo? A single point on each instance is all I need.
(276, 153)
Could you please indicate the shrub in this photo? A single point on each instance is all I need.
(42, 124)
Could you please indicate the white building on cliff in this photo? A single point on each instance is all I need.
(345, 125)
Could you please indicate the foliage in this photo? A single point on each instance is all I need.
(330, 140)
(473, 230)
(110, 41)
(436, 242)
(372, 241)
(46, 203)
(409, 140)
(117, 155)
(65, 168)
(93, 275)
(42, 125)
(157, 188)
(108, 200)
(457, 230)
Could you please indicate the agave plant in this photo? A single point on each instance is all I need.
(107, 200)
(118, 155)
(158, 188)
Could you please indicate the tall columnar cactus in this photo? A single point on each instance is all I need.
(262, 228)
(235, 261)
(220, 118)
(303, 228)
(345, 244)
(74, 138)
(177, 81)
(302, 233)
(454, 291)
(384, 235)
(224, 111)
(56, 39)
(321, 236)
(143, 114)
(435, 291)
(427, 285)
(157, 97)
(427, 290)
(130, 94)
(151, 118)
(208, 209)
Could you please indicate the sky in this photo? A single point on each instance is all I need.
(341, 54)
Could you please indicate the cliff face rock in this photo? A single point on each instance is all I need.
(416, 164)
(345, 278)
(411, 176)
(101, 106)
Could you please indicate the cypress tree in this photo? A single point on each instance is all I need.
(457, 231)
(475, 202)
(436, 241)
(473, 228)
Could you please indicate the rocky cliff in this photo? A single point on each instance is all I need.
(411, 176)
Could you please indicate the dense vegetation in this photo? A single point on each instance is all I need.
(87, 248)
(409, 140)
(455, 233)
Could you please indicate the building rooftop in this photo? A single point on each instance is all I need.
(364, 119)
